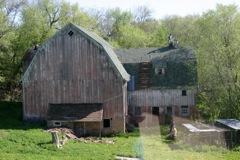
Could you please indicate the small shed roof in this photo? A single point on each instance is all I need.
(91, 112)
(231, 123)
(191, 128)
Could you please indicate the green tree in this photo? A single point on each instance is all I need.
(72, 13)
(9, 11)
(110, 21)
(218, 55)
(130, 36)
(143, 19)
(159, 37)
(183, 28)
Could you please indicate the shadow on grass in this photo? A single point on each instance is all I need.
(44, 143)
(172, 143)
(11, 117)
(134, 133)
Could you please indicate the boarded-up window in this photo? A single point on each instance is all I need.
(184, 110)
(138, 111)
(106, 123)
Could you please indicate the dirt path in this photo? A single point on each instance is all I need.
(151, 137)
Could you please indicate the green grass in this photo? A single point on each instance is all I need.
(26, 141)
(36, 144)
(180, 152)
(166, 149)
(19, 141)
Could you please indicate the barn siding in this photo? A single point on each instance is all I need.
(72, 69)
(149, 98)
(168, 97)
(39, 94)
(161, 98)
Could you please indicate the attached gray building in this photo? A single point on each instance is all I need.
(163, 81)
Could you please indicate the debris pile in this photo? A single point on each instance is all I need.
(68, 134)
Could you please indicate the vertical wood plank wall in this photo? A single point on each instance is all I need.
(167, 97)
(72, 69)
(160, 98)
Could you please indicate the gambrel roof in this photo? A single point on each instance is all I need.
(97, 40)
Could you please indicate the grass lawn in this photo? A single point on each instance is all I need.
(168, 149)
(21, 141)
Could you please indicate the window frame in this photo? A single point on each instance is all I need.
(157, 70)
(70, 33)
(184, 92)
(57, 124)
(184, 110)
(109, 123)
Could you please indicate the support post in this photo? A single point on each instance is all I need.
(100, 129)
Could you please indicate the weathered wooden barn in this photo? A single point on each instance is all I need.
(76, 80)
(163, 82)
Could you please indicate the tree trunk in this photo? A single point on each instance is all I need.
(55, 138)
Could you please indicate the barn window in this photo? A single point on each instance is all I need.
(70, 33)
(137, 111)
(169, 111)
(184, 92)
(106, 123)
(57, 124)
(159, 71)
(184, 110)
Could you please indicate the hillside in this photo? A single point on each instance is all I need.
(28, 141)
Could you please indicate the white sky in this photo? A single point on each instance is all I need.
(160, 8)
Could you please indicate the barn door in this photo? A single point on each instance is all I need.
(155, 111)
(155, 115)
(169, 111)
(79, 128)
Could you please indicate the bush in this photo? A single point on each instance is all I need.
(11, 114)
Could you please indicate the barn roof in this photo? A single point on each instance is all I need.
(157, 56)
(109, 50)
(91, 112)
(179, 63)
(231, 123)
(97, 40)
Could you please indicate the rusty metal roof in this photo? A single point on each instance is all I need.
(84, 112)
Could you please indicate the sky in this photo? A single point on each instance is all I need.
(160, 8)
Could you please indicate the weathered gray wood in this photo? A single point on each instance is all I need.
(73, 70)
(168, 97)
(55, 139)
